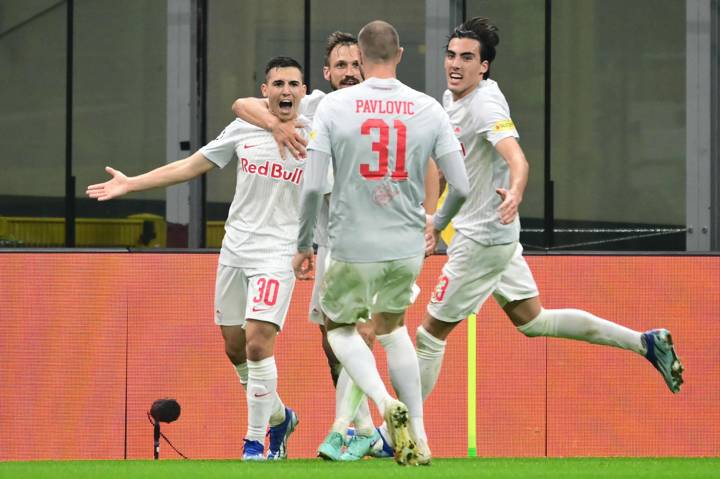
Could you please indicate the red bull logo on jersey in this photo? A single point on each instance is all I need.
(271, 169)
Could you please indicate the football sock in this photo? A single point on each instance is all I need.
(347, 401)
(261, 396)
(363, 419)
(405, 375)
(278, 414)
(359, 362)
(583, 326)
(430, 352)
(242, 372)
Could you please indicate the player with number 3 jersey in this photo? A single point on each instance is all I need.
(485, 256)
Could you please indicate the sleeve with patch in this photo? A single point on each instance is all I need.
(222, 149)
(493, 119)
(320, 132)
(447, 141)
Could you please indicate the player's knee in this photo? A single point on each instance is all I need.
(536, 327)
(235, 353)
(257, 350)
(438, 329)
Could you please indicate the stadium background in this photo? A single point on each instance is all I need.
(617, 107)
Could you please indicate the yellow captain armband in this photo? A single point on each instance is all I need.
(504, 125)
(449, 232)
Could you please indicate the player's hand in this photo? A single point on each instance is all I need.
(302, 264)
(508, 209)
(117, 186)
(287, 136)
(431, 236)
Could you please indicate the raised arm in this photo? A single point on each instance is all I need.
(256, 112)
(167, 175)
(511, 152)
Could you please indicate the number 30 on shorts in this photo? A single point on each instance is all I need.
(267, 291)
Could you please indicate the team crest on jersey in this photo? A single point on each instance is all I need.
(457, 130)
(384, 194)
(313, 134)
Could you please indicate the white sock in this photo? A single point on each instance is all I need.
(347, 401)
(278, 414)
(581, 325)
(405, 375)
(261, 397)
(363, 420)
(242, 372)
(358, 360)
(430, 353)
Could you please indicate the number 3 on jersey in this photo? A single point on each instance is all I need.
(381, 148)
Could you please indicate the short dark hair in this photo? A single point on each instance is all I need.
(335, 39)
(282, 62)
(480, 29)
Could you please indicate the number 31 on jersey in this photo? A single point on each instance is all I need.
(381, 148)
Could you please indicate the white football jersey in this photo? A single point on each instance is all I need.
(480, 120)
(308, 106)
(309, 103)
(380, 135)
(262, 226)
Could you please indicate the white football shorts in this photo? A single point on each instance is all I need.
(245, 293)
(473, 272)
(321, 260)
(350, 292)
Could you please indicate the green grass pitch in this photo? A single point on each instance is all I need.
(600, 468)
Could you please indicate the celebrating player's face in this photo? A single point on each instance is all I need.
(284, 89)
(344, 69)
(463, 68)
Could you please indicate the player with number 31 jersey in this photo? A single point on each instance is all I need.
(380, 134)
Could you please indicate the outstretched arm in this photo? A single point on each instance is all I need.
(167, 175)
(511, 152)
(255, 111)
